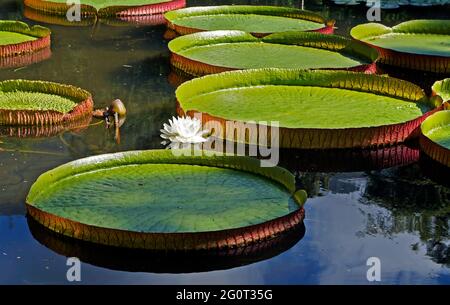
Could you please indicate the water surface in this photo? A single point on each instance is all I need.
(396, 214)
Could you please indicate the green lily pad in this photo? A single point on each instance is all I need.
(25, 102)
(35, 101)
(300, 100)
(17, 38)
(442, 89)
(134, 192)
(253, 19)
(440, 135)
(14, 32)
(429, 44)
(14, 38)
(435, 140)
(240, 50)
(416, 44)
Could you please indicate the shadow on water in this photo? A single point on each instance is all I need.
(435, 170)
(164, 262)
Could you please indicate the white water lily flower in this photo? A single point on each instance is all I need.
(184, 130)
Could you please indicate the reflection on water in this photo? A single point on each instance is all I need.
(164, 262)
(150, 20)
(362, 203)
(348, 160)
(26, 59)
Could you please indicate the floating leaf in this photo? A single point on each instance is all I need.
(217, 51)
(18, 38)
(25, 102)
(435, 138)
(416, 44)
(127, 199)
(315, 109)
(259, 20)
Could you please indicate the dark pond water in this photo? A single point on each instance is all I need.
(361, 205)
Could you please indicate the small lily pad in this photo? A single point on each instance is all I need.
(17, 38)
(25, 102)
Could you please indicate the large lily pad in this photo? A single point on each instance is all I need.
(435, 139)
(128, 199)
(17, 38)
(217, 51)
(259, 20)
(107, 8)
(24, 102)
(314, 109)
(416, 44)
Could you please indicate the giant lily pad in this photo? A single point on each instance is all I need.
(435, 139)
(17, 38)
(107, 8)
(416, 44)
(218, 51)
(24, 102)
(258, 20)
(128, 200)
(314, 109)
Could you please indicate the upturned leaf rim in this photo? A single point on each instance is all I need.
(315, 40)
(222, 239)
(318, 138)
(25, 117)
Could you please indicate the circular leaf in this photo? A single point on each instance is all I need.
(152, 199)
(314, 109)
(217, 51)
(259, 20)
(416, 44)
